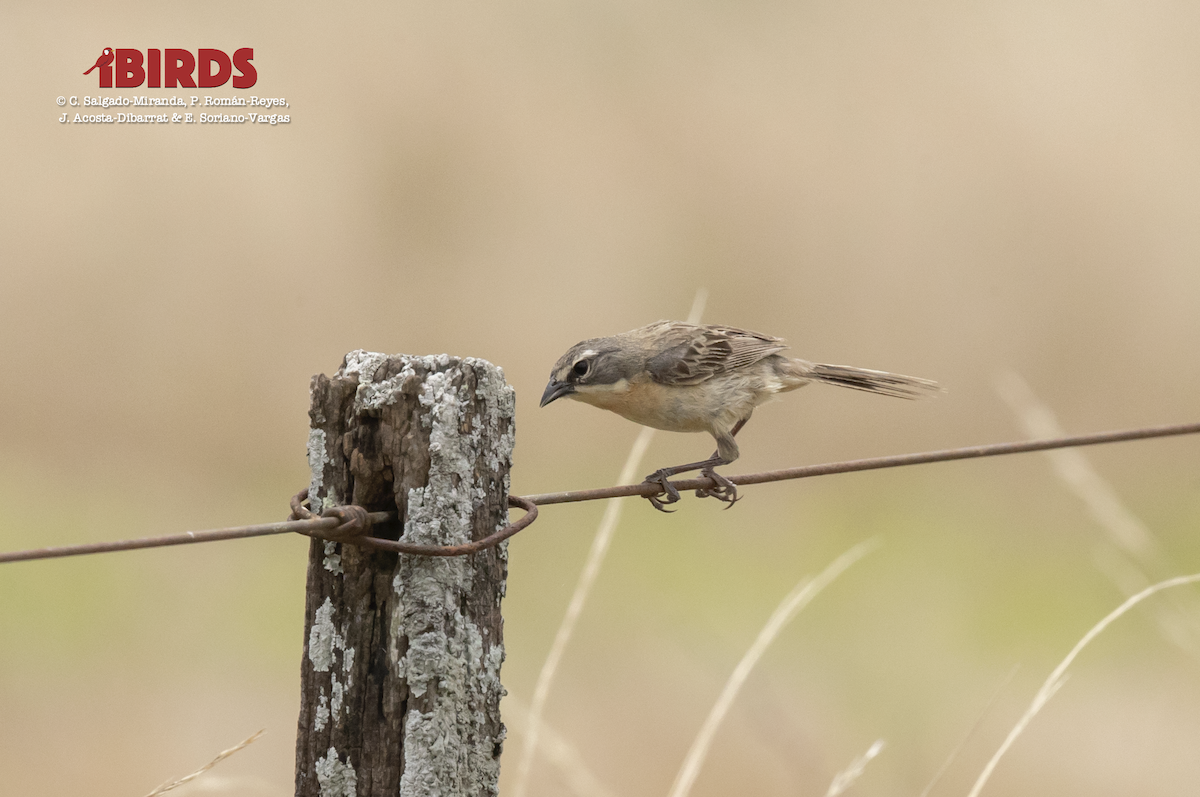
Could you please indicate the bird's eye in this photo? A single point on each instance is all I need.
(581, 368)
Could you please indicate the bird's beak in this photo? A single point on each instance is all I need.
(556, 390)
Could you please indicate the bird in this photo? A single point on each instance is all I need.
(105, 59)
(682, 377)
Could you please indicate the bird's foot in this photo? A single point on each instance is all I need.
(669, 494)
(724, 491)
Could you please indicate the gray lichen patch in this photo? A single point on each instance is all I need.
(450, 669)
(324, 644)
(321, 719)
(372, 395)
(336, 779)
(442, 511)
(453, 769)
(337, 693)
(500, 402)
(333, 560)
(491, 669)
(323, 638)
(317, 459)
(363, 364)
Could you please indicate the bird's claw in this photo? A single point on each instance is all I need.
(669, 494)
(725, 490)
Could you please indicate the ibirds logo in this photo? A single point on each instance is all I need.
(173, 68)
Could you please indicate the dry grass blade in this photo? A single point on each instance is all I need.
(221, 756)
(1132, 557)
(845, 779)
(937, 776)
(1125, 530)
(583, 588)
(1058, 677)
(560, 753)
(800, 596)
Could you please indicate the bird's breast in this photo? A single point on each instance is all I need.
(672, 408)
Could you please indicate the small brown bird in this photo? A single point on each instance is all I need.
(105, 59)
(686, 378)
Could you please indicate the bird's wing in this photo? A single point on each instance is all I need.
(690, 354)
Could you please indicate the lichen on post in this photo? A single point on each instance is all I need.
(400, 680)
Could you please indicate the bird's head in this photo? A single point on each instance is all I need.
(589, 371)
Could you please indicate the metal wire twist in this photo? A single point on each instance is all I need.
(357, 522)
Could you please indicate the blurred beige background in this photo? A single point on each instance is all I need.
(930, 188)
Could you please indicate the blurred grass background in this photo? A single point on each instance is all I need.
(929, 188)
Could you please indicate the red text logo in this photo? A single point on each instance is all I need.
(173, 68)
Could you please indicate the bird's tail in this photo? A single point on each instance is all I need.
(898, 385)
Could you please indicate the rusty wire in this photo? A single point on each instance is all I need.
(352, 524)
(357, 522)
(337, 524)
(874, 463)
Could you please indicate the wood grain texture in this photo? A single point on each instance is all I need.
(400, 679)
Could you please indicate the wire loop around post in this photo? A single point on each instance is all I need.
(357, 521)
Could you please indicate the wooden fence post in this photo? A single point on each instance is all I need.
(400, 680)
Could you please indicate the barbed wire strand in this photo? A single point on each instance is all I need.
(329, 526)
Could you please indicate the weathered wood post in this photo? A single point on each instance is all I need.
(400, 680)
